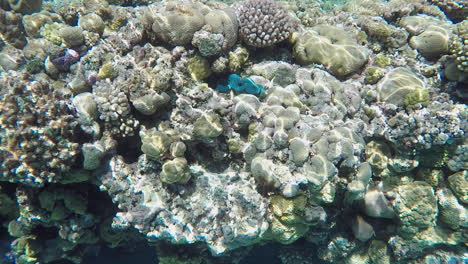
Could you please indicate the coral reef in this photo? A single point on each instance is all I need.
(325, 131)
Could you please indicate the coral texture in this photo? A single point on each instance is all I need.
(187, 128)
(263, 23)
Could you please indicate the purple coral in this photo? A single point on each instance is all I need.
(66, 59)
(263, 23)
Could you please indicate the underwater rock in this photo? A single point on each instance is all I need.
(157, 216)
(377, 205)
(416, 207)
(8, 207)
(93, 154)
(458, 182)
(278, 72)
(362, 230)
(209, 44)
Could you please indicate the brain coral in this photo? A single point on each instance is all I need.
(263, 23)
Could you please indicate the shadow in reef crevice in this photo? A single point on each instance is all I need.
(146, 255)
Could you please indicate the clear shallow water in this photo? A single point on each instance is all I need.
(419, 137)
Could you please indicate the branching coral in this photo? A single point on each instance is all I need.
(37, 131)
(263, 23)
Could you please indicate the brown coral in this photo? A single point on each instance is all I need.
(37, 129)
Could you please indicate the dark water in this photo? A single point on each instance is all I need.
(115, 256)
(146, 255)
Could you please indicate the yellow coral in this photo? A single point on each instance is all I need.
(199, 68)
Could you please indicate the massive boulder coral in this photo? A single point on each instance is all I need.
(383, 34)
(397, 85)
(432, 42)
(458, 184)
(331, 47)
(430, 36)
(176, 23)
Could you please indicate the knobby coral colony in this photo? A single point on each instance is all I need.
(347, 129)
